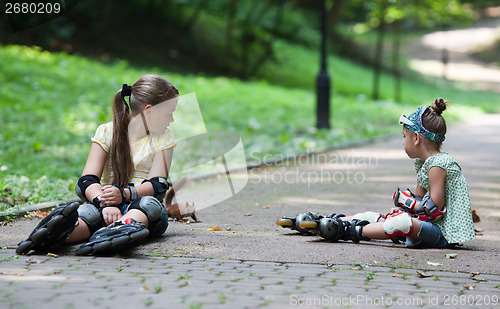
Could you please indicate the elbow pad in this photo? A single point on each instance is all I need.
(160, 186)
(83, 183)
(427, 210)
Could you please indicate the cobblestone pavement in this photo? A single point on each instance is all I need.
(40, 281)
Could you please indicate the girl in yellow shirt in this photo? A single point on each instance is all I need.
(125, 178)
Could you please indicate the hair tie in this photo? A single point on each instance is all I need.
(126, 90)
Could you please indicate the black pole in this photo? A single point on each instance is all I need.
(323, 80)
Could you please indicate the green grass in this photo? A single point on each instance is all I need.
(51, 104)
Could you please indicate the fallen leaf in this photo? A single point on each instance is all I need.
(34, 261)
(474, 273)
(6, 274)
(422, 274)
(434, 263)
(41, 214)
(267, 207)
(479, 279)
(248, 214)
(395, 275)
(469, 287)
(215, 228)
(52, 255)
(451, 255)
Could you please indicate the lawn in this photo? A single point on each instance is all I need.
(51, 104)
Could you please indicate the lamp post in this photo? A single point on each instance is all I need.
(323, 80)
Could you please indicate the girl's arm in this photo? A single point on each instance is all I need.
(112, 196)
(95, 166)
(419, 191)
(437, 181)
(161, 165)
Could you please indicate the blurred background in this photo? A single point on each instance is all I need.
(252, 64)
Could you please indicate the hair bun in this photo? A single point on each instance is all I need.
(438, 106)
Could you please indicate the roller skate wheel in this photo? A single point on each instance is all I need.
(84, 250)
(54, 222)
(139, 235)
(308, 225)
(101, 246)
(70, 209)
(39, 234)
(284, 222)
(120, 240)
(24, 247)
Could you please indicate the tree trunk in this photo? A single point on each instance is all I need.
(377, 64)
(335, 12)
(231, 15)
(395, 60)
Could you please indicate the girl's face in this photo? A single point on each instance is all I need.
(409, 143)
(161, 116)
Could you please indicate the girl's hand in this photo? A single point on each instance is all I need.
(394, 210)
(111, 214)
(111, 196)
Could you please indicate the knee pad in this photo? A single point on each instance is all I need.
(92, 216)
(150, 206)
(369, 216)
(398, 224)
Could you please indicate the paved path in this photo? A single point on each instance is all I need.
(253, 263)
(426, 55)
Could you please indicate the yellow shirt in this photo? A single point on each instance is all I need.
(143, 152)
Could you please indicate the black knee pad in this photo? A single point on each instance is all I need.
(150, 206)
(92, 216)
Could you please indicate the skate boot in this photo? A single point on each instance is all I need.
(293, 223)
(333, 228)
(327, 227)
(52, 231)
(114, 238)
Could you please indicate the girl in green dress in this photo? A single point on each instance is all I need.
(437, 215)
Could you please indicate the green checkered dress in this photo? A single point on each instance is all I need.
(456, 224)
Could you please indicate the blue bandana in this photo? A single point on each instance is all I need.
(414, 123)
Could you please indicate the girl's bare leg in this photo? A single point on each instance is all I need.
(137, 215)
(80, 233)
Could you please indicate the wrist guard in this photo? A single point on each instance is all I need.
(96, 202)
(405, 200)
(427, 210)
(133, 192)
(122, 192)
